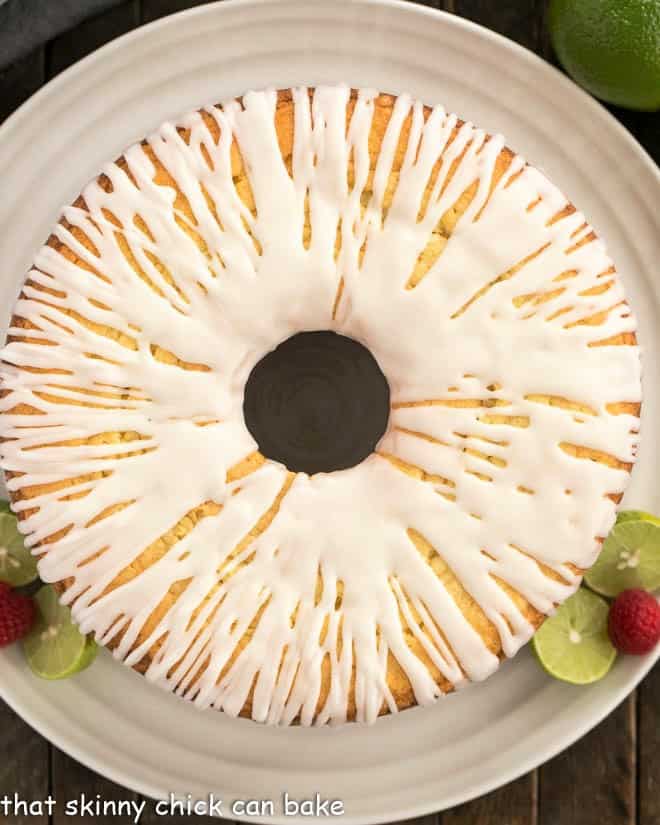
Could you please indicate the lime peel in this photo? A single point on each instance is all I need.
(636, 515)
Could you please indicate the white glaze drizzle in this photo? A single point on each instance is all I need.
(239, 301)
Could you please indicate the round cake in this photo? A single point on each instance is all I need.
(484, 296)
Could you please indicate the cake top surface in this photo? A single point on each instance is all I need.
(487, 300)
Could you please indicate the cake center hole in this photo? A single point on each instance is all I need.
(318, 402)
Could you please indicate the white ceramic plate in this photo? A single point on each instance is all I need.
(424, 759)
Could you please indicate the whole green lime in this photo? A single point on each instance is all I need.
(611, 48)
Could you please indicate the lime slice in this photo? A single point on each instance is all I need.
(630, 558)
(17, 565)
(636, 515)
(573, 645)
(55, 648)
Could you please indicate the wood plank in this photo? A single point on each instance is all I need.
(154, 9)
(434, 4)
(521, 20)
(71, 780)
(593, 782)
(645, 126)
(430, 819)
(90, 35)
(19, 81)
(545, 49)
(648, 744)
(23, 768)
(513, 804)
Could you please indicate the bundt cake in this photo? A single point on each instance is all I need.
(491, 307)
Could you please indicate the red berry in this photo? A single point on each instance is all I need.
(634, 622)
(16, 615)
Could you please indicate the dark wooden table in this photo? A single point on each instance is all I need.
(610, 777)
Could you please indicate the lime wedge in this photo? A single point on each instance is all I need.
(573, 645)
(636, 515)
(55, 648)
(4, 507)
(630, 558)
(17, 565)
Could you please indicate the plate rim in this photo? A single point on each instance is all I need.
(407, 6)
(420, 809)
(590, 107)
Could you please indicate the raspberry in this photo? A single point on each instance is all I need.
(16, 615)
(634, 622)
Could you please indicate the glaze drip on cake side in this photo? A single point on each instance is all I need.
(495, 315)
